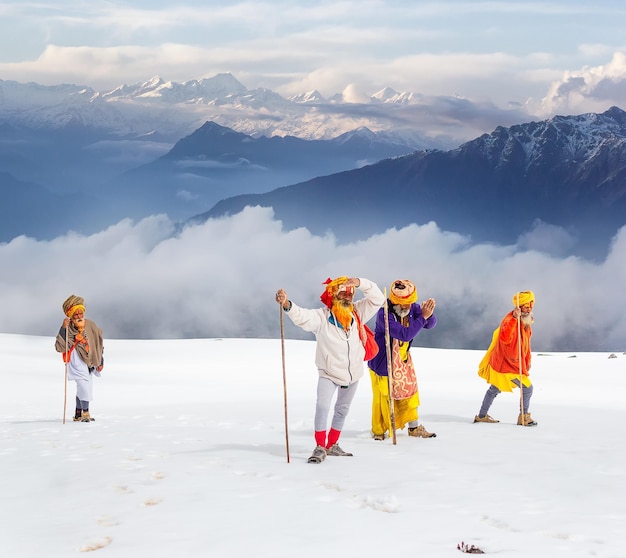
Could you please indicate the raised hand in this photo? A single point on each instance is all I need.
(428, 307)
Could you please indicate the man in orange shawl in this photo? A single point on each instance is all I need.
(80, 341)
(507, 361)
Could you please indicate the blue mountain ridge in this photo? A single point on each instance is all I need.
(77, 166)
(568, 171)
(215, 162)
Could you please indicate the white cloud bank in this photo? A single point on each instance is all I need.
(146, 280)
(590, 89)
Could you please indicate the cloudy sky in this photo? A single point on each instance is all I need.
(570, 53)
(218, 279)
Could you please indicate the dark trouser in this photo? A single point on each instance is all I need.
(82, 405)
(493, 391)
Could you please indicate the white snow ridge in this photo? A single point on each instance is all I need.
(187, 457)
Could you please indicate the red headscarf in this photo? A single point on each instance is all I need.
(332, 286)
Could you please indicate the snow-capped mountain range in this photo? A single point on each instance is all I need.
(177, 109)
(185, 146)
(564, 177)
(66, 145)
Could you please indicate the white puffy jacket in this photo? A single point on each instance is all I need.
(339, 354)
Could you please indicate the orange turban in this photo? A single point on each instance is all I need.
(523, 297)
(72, 304)
(402, 291)
(332, 286)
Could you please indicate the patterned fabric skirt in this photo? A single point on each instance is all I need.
(405, 410)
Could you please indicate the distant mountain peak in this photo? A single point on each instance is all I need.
(385, 94)
(212, 128)
(617, 114)
(309, 97)
(564, 139)
(226, 79)
(154, 81)
(389, 95)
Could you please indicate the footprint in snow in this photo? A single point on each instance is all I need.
(106, 521)
(388, 504)
(152, 501)
(96, 544)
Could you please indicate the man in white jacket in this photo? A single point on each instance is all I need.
(339, 353)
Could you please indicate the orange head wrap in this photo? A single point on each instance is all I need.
(402, 291)
(332, 286)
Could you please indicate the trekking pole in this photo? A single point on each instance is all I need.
(519, 359)
(392, 413)
(282, 346)
(65, 384)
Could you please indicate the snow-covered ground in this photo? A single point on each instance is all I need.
(187, 457)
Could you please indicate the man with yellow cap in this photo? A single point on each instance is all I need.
(508, 359)
(406, 319)
(80, 341)
(339, 352)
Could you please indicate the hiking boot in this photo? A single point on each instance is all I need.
(336, 450)
(86, 417)
(318, 455)
(379, 436)
(486, 418)
(421, 432)
(527, 421)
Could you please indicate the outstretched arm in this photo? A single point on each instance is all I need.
(308, 320)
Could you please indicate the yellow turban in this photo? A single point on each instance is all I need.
(402, 291)
(523, 297)
(72, 304)
(332, 286)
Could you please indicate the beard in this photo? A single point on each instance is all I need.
(527, 319)
(401, 312)
(342, 310)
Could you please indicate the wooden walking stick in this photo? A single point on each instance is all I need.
(282, 346)
(65, 385)
(392, 413)
(519, 359)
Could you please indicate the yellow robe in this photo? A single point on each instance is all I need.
(405, 410)
(502, 380)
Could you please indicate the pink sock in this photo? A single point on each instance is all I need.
(333, 437)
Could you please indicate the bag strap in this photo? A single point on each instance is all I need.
(362, 333)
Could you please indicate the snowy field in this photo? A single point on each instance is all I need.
(187, 458)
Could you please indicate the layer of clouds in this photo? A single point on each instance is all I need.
(150, 280)
(590, 89)
(479, 50)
